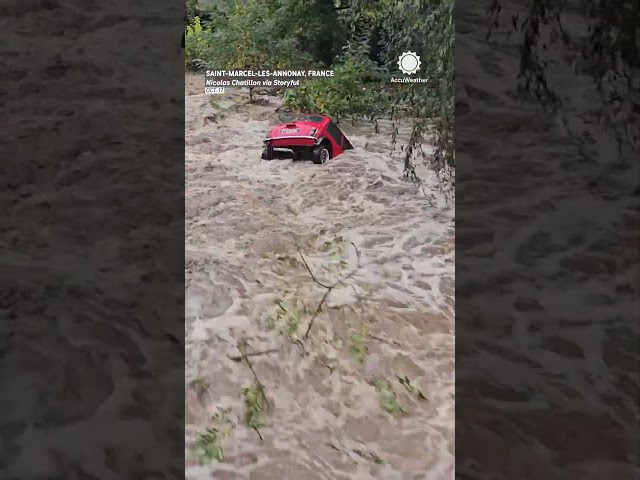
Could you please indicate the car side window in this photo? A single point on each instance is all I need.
(335, 132)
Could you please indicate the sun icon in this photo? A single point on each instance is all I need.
(409, 63)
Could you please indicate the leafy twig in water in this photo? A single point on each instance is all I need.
(208, 446)
(387, 397)
(326, 286)
(255, 400)
(406, 383)
(384, 340)
(358, 346)
(376, 459)
(286, 316)
(239, 358)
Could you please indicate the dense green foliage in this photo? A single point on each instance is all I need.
(361, 41)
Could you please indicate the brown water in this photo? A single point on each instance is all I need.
(555, 356)
(243, 220)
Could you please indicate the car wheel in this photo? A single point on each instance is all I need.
(266, 154)
(321, 154)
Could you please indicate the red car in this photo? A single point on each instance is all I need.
(307, 137)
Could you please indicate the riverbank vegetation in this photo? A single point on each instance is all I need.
(361, 41)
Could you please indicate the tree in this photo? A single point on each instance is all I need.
(424, 26)
(252, 38)
(315, 25)
(355, 90)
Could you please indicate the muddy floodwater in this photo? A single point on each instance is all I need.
(369, 393)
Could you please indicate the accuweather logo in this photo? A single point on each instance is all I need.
(409, 63)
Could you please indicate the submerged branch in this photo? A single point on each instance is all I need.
(329, 288)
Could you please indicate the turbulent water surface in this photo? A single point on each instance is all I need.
(548, 350)
(331, 412)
